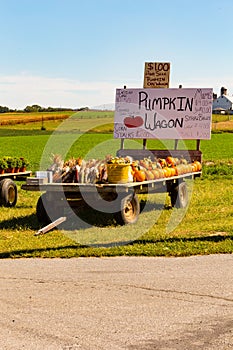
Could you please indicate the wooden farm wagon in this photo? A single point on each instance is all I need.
(139, 114)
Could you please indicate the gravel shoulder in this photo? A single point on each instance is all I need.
(132, 303)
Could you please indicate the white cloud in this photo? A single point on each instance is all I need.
(18, 91)
(207, 82)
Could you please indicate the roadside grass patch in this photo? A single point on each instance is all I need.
(218, 169)
(207, 228)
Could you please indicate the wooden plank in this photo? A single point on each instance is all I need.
(144, 143)
(16, 175)
(49, 227)
(190, 155)
(67, 188)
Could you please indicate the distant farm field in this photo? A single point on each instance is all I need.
(28, 117)
(22, 118)
(82, 120)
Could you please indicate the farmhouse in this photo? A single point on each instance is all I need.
(223, 103)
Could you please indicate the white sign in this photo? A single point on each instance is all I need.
(163, 113)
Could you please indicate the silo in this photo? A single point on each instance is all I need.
(223, 91)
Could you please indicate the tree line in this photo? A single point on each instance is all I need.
(37, 108)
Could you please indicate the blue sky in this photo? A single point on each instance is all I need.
(75, 53)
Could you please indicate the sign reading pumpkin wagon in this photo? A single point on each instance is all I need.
(163, 113)
(140, 113)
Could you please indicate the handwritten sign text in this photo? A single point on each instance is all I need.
(156, 75)
(163, 113)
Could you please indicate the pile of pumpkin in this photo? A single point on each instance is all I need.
(146, 169)
(96, 171)
(78, 170)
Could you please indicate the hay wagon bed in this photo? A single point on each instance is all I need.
(118, 198)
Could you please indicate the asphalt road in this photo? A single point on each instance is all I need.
(117, 303)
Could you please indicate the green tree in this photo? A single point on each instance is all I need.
(33, 108)
(4, 109)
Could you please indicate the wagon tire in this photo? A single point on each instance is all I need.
(179, 195)
(129, 211)
(41, 212)
(8, 193)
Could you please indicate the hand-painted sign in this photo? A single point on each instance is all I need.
(163, 113)
(156, 75)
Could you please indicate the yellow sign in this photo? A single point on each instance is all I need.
(156, 75)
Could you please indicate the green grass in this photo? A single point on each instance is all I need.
(220, 147)
(205, 228)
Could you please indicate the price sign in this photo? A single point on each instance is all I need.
(156, 75)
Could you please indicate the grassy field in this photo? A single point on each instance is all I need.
(205, 228)
(220, 147)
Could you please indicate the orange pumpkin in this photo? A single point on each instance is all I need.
(170, 161)
(166, 171)
(139, 175)
(156, 174)
(194, 167)
(180, 169)
(149, 175)
(163, 162)
(173, 171)
(199, 166)
(144, 163)
(161, 174)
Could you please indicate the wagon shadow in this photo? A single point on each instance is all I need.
(23, 222)
(30, 222)
(90, 217)
(35, 252)
(146, 206)
(207, 238)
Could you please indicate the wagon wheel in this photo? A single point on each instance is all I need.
(129, 212)
(8, 193)
(179, 195)
(48, 211)
(41, 212)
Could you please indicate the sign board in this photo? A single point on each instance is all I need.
(156, 75)
(163, 113)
